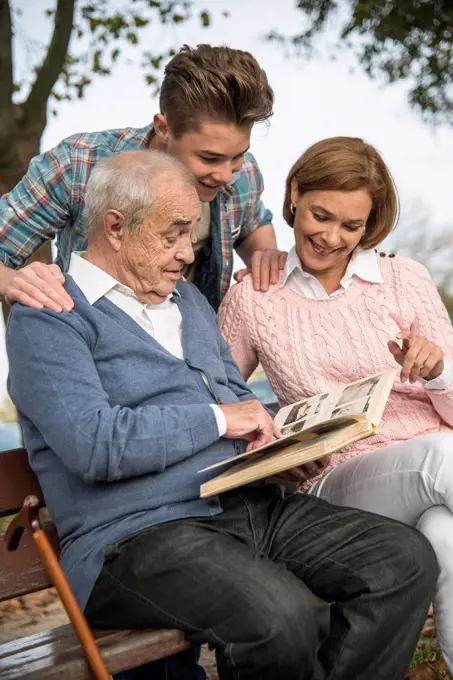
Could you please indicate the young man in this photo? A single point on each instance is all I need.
(210, 99)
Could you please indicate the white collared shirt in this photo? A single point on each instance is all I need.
(162, 321)
(364, 265)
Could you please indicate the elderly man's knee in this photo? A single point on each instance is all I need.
(416, 558)
(289, 631)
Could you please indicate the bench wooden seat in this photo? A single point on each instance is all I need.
(56, 653)
(48, 655)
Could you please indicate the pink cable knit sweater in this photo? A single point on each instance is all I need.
(308, 346)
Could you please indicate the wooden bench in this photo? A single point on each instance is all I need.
(57, 652)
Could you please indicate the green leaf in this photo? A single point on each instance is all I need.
(140, 22)
(205, 19)
(132, 38)
(396, 39)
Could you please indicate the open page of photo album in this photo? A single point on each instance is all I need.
(310, 429)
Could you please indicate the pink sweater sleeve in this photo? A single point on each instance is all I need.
(421, 294)
(236, 323)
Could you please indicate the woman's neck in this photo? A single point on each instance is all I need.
(330, 279)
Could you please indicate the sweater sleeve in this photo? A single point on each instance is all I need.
(421, 294)
(38, 207)
(250, 185)
(55, 385)
(236, 326)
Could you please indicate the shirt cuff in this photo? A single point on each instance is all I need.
(443, 381)
(220, 419)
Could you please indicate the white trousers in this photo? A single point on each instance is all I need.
(413, 483)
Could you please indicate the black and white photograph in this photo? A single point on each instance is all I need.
(357, 407)
(358, 391)
(298, 411)
(319, 405)
(294, 428)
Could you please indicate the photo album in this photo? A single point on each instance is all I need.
(311, 429)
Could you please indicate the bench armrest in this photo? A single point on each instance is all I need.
(28, 518)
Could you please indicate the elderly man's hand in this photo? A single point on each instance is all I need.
(249, 420)
(304, 472)
(37, 285)
(265, 268)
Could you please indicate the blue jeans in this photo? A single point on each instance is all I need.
(182, 666)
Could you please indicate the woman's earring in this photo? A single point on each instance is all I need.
(292, 208)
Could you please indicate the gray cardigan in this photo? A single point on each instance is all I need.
(117, 427)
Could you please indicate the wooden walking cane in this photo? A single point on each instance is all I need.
(28, 519)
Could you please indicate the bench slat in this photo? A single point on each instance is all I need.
(56, 653)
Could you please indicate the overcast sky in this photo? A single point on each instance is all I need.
(314, 100)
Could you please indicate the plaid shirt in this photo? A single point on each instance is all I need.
(48, 203)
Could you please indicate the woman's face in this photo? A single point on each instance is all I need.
(328, 225)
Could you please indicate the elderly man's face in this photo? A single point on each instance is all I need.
(153, 256)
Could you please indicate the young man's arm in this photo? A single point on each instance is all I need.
(257, 244)
(30, 214)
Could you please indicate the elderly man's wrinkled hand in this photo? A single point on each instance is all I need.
(250, 421)
(304, 472)
(40, 286)
(264, 267)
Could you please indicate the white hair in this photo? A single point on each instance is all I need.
(130, 183)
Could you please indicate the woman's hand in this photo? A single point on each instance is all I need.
(418, 357)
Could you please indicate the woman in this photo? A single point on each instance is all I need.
(343, 311)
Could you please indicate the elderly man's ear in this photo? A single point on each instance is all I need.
(114, 226)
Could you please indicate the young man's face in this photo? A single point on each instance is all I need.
(212, 154)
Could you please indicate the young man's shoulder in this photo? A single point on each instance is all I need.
(114, 141)
(249, 177)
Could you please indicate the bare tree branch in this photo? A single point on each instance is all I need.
(6, 76)
(36, 104)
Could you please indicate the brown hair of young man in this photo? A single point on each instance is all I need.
(220, 83)
(347, 164)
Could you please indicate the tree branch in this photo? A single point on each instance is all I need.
(36, 104)
(6, 73)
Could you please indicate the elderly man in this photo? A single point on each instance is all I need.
(123, 400)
